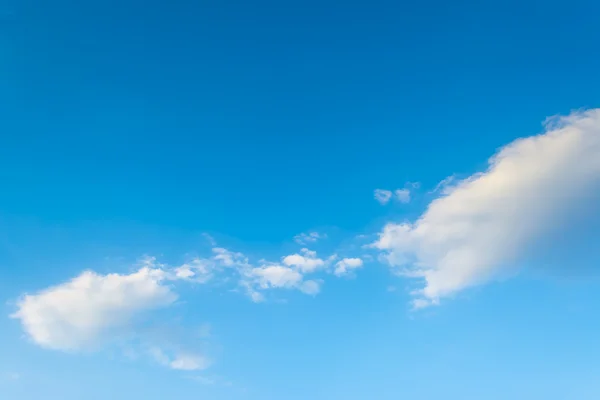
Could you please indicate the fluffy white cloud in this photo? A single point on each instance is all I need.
(345, 265)
(310, 237)
(306, 262)
(77, 314)
(487, 224)
(277, 276)
(383, 196)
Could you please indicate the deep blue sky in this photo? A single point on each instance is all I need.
(132, 127)
(120, 110)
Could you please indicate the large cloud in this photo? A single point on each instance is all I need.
(492, 222)
(78, 314)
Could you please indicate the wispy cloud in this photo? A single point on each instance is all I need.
(182, 361)
(403, 195)
(382, 196)
(310, 237)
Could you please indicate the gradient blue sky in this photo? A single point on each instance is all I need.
(167, 129)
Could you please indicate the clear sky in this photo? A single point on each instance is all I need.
(299, 200)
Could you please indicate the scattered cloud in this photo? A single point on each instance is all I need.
(345, 265)
(311, 237)
(383, 196)
(480, 228)
(531, 197)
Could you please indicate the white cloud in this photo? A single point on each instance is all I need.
(256, 297)
(189, 362)
(402, 195)
(229, 258)
(345, 265)
(311, 287)
(77, 314)
(281, 277)
(93, 310)
(443, 185)
(310, 237)
(277, 276)
(253, 278)
(198, 269)
(306, 262)
(179, 361)
(383, 196)
(485, 225)
(184, 272)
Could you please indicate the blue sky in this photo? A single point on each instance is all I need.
(299, 200)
